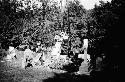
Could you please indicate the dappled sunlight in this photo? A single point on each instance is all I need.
(43, 40)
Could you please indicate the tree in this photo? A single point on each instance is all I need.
(74, 22)
(35, 27)
(103, 24)
(8, 16)
(104, 19)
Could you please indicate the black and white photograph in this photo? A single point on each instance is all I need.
(61, 40)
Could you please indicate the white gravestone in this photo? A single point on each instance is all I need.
(82, 56)
(27, 54)
(85, 47)
(11, 54)
(83, 69)
(85, 43)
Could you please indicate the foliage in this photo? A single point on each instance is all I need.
(102, 20)
(41, 24)
(8, 16)
(31, 27)
(59, 63)
(75, 24)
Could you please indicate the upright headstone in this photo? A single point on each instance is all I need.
(27, 55)
(85, 46)
(84, 56)
(12, 53)
(11, 48)
(85, 43)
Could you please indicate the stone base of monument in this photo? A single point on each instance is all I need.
(83, 69)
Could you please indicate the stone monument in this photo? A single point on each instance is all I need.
(83, 69)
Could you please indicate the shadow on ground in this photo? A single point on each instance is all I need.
(9, 73)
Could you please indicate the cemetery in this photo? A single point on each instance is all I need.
(51, 59)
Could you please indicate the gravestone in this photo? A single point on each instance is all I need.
(84, 68)
(12, 53)
(27, 54)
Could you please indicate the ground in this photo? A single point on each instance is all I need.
(12, 73)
